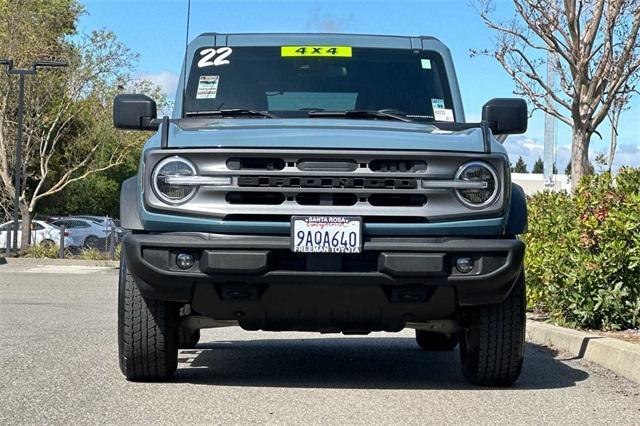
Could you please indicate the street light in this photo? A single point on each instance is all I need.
(40, 63)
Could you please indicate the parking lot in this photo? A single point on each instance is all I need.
(58, 364)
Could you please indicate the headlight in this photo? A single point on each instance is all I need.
(477, 171)
(173, 167)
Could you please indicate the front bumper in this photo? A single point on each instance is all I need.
(260, 282)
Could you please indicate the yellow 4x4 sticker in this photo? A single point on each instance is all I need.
(326, 51)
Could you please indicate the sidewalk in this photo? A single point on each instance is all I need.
(619, 356)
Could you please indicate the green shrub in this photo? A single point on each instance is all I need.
(91, 253)
(49, 251)
(583, 253)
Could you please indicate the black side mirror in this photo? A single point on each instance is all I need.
(506, 116)
(134, 112)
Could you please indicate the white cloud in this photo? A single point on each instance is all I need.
(167, 81)
(326, 22)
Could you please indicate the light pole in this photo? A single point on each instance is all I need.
(18, 157)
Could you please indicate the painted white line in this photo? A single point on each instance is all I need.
(62, 269)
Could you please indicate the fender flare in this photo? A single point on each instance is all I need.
(517, 222)
(129, 217)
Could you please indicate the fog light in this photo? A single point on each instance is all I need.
(184, 261)
(464, 264)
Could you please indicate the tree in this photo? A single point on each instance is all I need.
(28, 30)
(538, 166)
(521, 166)
(590, 168)
(596, 54)
(68, 134)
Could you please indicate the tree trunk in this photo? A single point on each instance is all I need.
(26, 228)
(579, 155)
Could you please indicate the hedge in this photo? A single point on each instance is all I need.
(583, 253)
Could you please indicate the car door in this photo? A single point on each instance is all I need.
(81, 230)
(38, 233)
(6, 233)
(3, 235)
(68, 228)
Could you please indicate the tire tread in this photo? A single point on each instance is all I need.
(147, 333)
(500, 328)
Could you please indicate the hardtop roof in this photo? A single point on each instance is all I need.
(354, 40)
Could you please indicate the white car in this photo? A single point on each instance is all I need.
(84, 232)
(106, 222)
(41, 233)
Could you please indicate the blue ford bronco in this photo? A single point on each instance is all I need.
(326, 183)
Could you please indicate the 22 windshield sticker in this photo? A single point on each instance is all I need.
(213, 57)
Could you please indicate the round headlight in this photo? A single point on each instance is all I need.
(477, 171)
(173, 167)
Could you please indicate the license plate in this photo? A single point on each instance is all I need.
(326, 234)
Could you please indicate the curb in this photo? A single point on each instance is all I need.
(623, 358)
(31, 261)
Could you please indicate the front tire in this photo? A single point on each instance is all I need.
(147, 333)
(492, 347)
(91, 242)
(47, 243)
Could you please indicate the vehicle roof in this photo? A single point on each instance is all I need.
(84, 219)
(42, 222)
(354, 40)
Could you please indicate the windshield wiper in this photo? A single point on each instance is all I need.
(361, 113)
(229, 113)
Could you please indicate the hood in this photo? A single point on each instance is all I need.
(320, 133)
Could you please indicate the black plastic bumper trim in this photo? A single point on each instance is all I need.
(401, 261)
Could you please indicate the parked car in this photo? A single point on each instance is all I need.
(84, 232)
(41, 233)
(106, 222)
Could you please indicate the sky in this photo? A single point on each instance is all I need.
(156, 29)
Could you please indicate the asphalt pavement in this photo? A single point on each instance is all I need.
(58, 365)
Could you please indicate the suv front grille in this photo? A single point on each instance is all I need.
(384, 186)
(349, 182)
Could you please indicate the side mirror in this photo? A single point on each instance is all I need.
(506, 116)
(134, 112)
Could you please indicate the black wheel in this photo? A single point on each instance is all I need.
(47, 243)
(492, 348)
(430, 341)
(147, 333)
(187, 338)
(91, 241)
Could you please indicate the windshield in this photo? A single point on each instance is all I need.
(290, 81)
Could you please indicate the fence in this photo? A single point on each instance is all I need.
(106, 246)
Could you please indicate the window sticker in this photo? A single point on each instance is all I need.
(316, 51)
(426, 64)
(440, 113)
(208, 87)
(214, 57)
(437, 103)
(443, 114)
